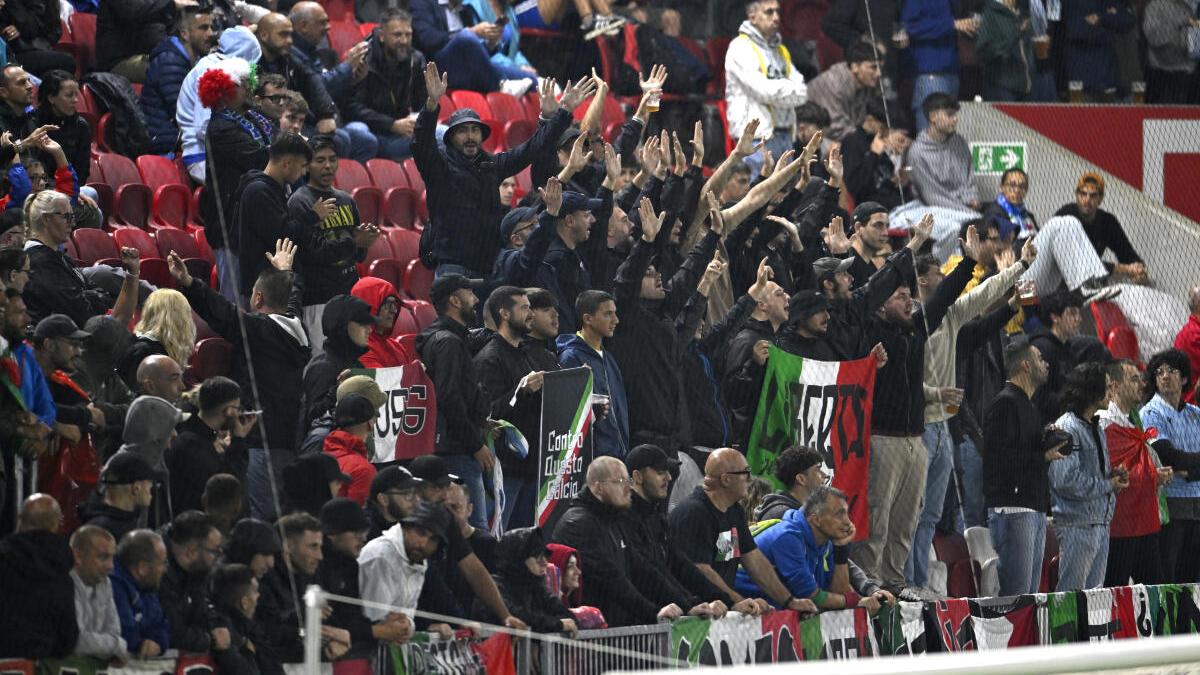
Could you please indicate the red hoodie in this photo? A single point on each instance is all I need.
(382, 351)
(351, 454)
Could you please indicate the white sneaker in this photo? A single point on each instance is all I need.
(516, 88)
(614, 24)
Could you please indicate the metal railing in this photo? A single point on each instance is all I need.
(642, 646)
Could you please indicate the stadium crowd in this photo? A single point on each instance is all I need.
(167, 511)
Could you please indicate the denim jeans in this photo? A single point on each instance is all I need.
(355, 140)
(466, 61)
(394, 146)
(931, 83)
(259, 495)
(970, 466)
(451, 268)
(778, 144)
(466, 468)
(940, 449)
(1020, 542)
(520, 497)
(1083, 556)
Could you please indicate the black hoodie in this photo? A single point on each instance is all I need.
(525, 594)
(262, 218)
(118, 522)
(338, 354)
(38, 596)
(462, 405)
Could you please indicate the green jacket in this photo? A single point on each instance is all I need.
(1004, 49)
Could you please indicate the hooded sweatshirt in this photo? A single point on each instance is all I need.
(942, 171)
(117, 522)
(261, 218)
(305, 485)
(35, 577)
(611, 434)
(351, 454)
(383, 351)
(385, 574)
(524, 593)
(191, 116)
(320, 375)
(761, 83)
(148, 427)
(96, 375)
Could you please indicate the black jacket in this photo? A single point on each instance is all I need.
(192, 460)
(302, 79)
(20, 123)
(233, 153)
(525, 595)
(869, 175)
(37, 21)
(262, 218)
(899, 410)
(240, 659)
(647, 531)
(712, 423)
(127, 361)
(184, 598)
(280, 351)
(1060, 361)
(131, 27)
(38, 596)
(741, 377)
(280, 613)
(1015, 472)
(500, 367)
(75, 136)
(392, 90)
(462, 405)
(621, 582)
(338, 574)
(463, 193)
(979, 350)
(96, 512)
(338, 354)
(56, 287)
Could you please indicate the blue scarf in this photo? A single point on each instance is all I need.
(253, 123)
(1017, 214)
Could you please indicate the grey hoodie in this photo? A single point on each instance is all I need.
(942, 171)
(149, 425)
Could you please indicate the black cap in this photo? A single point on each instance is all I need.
(829, 265)
(511, 219)
(864, 211)
(805, 304)
(432, 517)
(393, 478)
(576, 201)
(58, 326)
(432, 469)
(466, 116)
(445, 286)
(651, 456)
(330, 470)
(125, 468)
(250, 537)
(352, 410)
(343, 515)
(566, 138)
(343, 309)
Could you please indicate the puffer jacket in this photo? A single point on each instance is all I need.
(525, 594)
(463, 193)
(169, 65)
(351, 454)
(1079, 485)
(383, 351)
(462, 406)
(392, 90)
(761, 83)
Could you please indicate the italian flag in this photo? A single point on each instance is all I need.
(566, 414)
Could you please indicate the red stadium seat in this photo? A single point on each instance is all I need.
(83, 33)
(405, 246)
(155, 271)
(1108, 317)
(350, 175)
(406, 323)
(86, 103)
(93, 245)
(135, 238)
(180, 241)
(473, 100)
(72, 252)
(524, 181)
(415, 180)
(132, 199)
(423, 311)
(343, 35)
(445, 107)
(339, 10)
(380, 249)
(212, 357)
(369, 200)
(388, 269)
(952, 550)
(517, 132)
(400, 208)
(504, 107)
(533, 106)
(172, 199)
(496, 139)
(417, 280)
(386, 174)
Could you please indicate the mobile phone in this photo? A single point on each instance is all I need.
(247, 413)
(500, 21)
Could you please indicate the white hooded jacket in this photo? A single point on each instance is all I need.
(761, 83)
(386, 576)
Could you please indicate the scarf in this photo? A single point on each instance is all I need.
(1017, 215)
(253, 123)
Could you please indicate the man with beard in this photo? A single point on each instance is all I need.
(136, 577)
(345, 527)
(331, 247)
(211, 441)
(393, 496)
(511, 372)
(391, 568)
(844, 89)
(193, 544)
(388, 98)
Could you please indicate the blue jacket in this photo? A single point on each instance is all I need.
(933, 42)
(141, 613)
(169, 64)
(431, 32)
(1088, 52)
(1079, 484)
(34, 389)
(802, 566)
(521, 266)
(1180, 427)
(338, 80)
(508, 52)
(610, 436)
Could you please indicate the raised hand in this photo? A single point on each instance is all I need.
(178, 270)
(131, 260)
(658, 77)
(436, 85)
(579, 157)
(612, 163)
(758, 290)
(880, 354)
(712, 272)
(810, 150)
(833, 166)
(664, 160)
(651, 153)
(651, 221)
(285, 253)
(575, 94)
(680, 158)
(1029, 251)
(546, 96)
(552, 195)
(324, 207)
(768, 165)
(920, 233)
(972, 245)
(746, 145)
(835, 236)
(716, 217)
(698, 144)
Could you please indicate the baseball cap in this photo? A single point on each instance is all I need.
(330, 470)
(432, 517)
(864, 211)
(126, 468)
(59, 326)
(352, 410)
(364, 386)
(444, 287)
(343, 515)
(805, 304)
(393, 478)
(651, 456)
(577, 201)
(568, 137)
(521, 214)
(432, 469)
(830, 265)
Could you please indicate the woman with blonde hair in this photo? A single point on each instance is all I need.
(166, 327)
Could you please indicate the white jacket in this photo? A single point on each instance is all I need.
(386, 576)
(761, 83)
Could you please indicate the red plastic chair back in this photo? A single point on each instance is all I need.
(473, 100)
(423, 311)
(180, 241)
(517, 132)
(405, 246)
(417, 280)
(212, 356)
(92, 245)
(386, 174)
(83, 33)
(369, 201)
(343, 35)
(388, 269)
(505, 107)
(350, 175)
(1123, 343)
(134, 238)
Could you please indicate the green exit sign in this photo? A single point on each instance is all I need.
(996, 158)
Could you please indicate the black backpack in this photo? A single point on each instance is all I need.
(127, 130)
